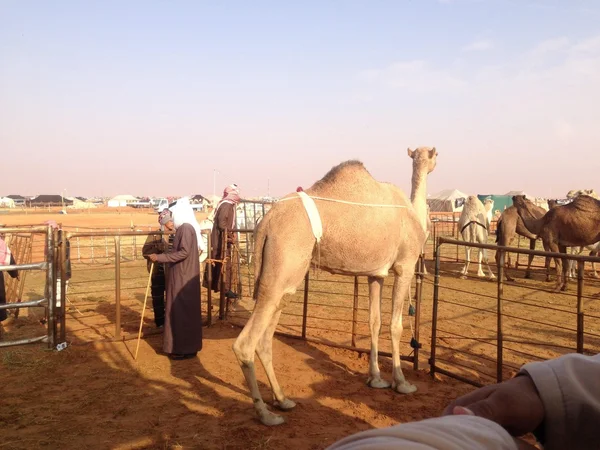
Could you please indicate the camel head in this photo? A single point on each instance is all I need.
(552, 204)
(488, 204)
(424, 157)
(522, 202)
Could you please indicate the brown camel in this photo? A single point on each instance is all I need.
(573, 225)
(368, 228)
(508, 227)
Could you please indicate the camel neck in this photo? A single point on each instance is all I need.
(418, 196)
(530, 220)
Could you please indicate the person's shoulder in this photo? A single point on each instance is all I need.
(187, 227)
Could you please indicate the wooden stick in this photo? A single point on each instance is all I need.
(143, 311)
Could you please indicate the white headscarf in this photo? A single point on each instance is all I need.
(183, 213)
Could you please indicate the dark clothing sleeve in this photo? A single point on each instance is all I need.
(12, 273)
(225, 216)
(568, 387)
(154, 244)
(187, 242)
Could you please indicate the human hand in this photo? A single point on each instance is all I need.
(152, 257)
(514, 404)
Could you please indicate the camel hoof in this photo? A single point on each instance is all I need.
(405, 388)
(285, 405)
(269, 419)
(378, 383)
(481, 275)
(463, 277)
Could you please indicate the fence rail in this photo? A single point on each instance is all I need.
(521, 329)
(49, 295)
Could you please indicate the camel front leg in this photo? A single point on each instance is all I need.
(375, 286)
(564, 268)
(264, 350)
(401, 291)
(245, 346)
(479, 259)
(465, 270)
(491, 275)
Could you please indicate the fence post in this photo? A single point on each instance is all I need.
(418, 296)
(63, 285)
(78, 246)
(500, 338)
(209, 267)
(224, 273)
(580, 314)
(105, 245)
(117, 287)
(436, 293)
(92, 248)
(50, 285)
(305, 309)
(355, 312)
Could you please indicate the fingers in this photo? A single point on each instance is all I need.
(470, 398)
(522, 445)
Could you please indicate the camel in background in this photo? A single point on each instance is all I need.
(474, 226)
(572, 225)
(368, 228)
(508, 227)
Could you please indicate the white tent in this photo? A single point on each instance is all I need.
(122, 200)
(513, 193)
(6, 202)
(448, 200)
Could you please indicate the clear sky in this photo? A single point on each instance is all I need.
(150, 97)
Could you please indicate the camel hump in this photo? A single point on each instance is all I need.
(585, 203)
(351, 168)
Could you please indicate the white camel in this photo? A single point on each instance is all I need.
(474, 226)
(368, 228)
(594, 250)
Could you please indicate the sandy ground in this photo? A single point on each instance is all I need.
(94, 395)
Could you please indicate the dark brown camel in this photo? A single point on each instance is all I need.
(509, 226)
(573, 225)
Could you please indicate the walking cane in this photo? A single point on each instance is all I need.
(143, 311)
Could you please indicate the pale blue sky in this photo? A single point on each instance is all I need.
(148, 97)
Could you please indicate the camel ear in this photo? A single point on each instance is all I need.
(411, 153)
(432, 153)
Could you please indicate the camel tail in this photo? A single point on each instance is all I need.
(260, 238)
(499, 232)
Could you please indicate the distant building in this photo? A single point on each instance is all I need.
(50, 200)
(122, 200)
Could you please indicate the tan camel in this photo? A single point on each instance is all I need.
(474, 226)
(573, 225)
(360, 237)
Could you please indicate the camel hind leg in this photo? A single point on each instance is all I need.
(264, 350)
(245, 346)
(532, 243)
(281, 272)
